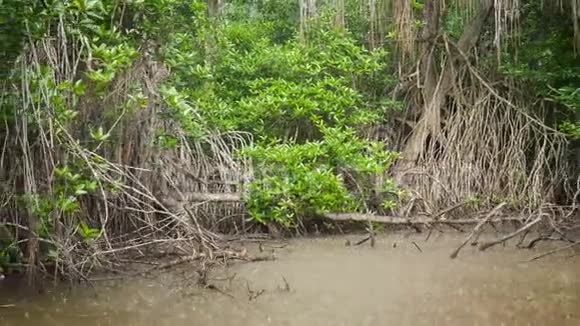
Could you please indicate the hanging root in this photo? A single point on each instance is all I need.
(478, 141)
(488, 149)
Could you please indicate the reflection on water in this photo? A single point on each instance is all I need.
(322, 282)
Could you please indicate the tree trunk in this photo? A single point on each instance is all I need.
(307, 12)
(214, 8)
(438, 84)
(339, 17)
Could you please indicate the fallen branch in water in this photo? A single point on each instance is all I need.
(358, 243)
(551, 252)
(260, 258)
(359, 217)
(286, 287)
(537, 240)
(253, 295)
(417, 246)
(476, 230)
(218, 290)
(487, 245)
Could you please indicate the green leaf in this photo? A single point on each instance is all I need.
(79, 88)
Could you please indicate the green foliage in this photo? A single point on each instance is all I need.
(109, 61)
(304, 192)
(10, 257)
(258, 83)
(282, 15)
(305, 104)
(454, 21)
(12, 32)
(68, 189)
(548, 62)
(297, 181)
(10, 254)
(87, 233)
(569, 96)
(70, 186)
(180, 110)
(109, 37)
(302, 102)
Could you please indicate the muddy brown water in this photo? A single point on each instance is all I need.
(322, 282)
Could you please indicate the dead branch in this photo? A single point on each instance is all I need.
(260, 258)
(486, 245)
(253, 295)
(204, 197)
(417, 246)
(286, 287)
(538, 239)
(218, 290)
(551, 252)
(359, 217)
(360, 242)
(476, 230)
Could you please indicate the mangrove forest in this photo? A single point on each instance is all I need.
(142, 138)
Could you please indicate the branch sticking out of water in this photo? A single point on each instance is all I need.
(286, 287)
(551, 252)
(477, 229)
(253, 295)
(360, 217)
(487, 245)
(417, 246)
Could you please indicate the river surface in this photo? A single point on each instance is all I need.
(324, 282)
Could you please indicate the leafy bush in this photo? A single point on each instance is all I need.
(304, 105)
(296, 181)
